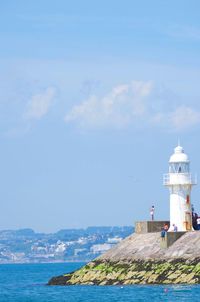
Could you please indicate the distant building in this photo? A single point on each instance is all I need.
(114, 240)
(61, 247)
(100, 248)
(79, 251)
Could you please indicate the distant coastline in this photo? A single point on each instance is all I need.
(68, 245)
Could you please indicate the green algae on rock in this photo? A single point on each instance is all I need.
(136, 272)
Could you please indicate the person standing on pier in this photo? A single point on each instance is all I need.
(152, 210)
(198, 223)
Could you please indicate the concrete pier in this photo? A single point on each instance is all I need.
(170, 238)
(143, 227)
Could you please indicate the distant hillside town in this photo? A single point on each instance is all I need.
(26, 246)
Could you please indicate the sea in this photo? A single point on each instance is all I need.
(28, 283)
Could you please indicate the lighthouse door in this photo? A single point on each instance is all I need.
(188, 224)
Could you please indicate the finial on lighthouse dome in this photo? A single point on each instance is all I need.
(179, 155)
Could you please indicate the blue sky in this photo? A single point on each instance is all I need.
(93, 98)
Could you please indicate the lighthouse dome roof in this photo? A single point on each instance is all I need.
(179, 155)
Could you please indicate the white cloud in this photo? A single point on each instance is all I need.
(123, 105)
(184, 117)
(39, 104)
(180, 119)
(136, 104)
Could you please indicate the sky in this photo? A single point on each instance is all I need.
(94, 96)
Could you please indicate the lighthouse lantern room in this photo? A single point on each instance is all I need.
(179, 180)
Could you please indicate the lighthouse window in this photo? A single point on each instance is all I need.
(179, 168)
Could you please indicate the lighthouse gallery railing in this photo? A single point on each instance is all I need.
(179, 179)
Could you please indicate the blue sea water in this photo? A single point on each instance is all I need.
(27, 283)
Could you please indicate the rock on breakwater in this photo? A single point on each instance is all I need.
(138, 259)
(134, 272)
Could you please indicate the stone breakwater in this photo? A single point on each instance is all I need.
(139, 259)
(136, 272)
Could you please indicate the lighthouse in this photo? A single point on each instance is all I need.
(180, 181)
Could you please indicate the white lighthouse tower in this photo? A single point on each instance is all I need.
(179, 180)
